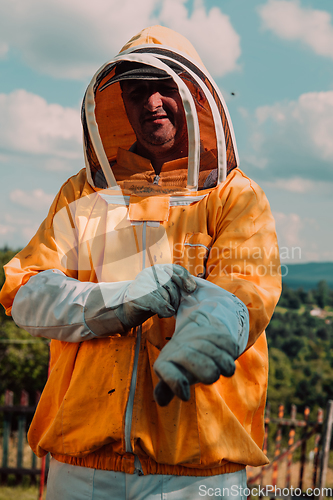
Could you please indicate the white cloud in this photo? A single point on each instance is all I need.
(294, 185)
(211, 33)
(3, 49)
(4, 158)
(312, 115)
(301, 237)
(288, 228)
(72, 39)
(6, 229)
(35, 200)
(290, 21)
(60, 165)
(29, 124)
(327, 256)
(16, 230)
(300, 185)
(294, 140)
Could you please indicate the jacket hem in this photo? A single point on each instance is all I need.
(125, 463)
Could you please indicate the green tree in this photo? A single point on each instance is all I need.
(23, 360)
(322, 294)
(280, 380)
(290, 298)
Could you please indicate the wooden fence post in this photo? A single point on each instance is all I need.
(303, 447)
(7, 419)
(277, 445)
(42, 478)
(291, 440)
(325, 447)
(20, 414)
(265, 447)
(33, 456)
(310, 429)
(320, 414)
(22, 419)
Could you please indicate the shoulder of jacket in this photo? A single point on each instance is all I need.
(238, 193)
(73, 189)
(238, 183)
(75, 186)
(242, 179)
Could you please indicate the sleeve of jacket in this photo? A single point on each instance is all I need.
(43, 251)
(42, 290)
(244, 258)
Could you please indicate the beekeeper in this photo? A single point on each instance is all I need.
(155, 275)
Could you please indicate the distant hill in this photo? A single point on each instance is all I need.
(307, 275)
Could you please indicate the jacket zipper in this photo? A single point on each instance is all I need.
(130, 402)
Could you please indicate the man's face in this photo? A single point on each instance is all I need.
(155, 111)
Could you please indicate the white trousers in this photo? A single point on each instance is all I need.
(70, 482)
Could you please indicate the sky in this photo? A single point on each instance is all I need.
(272, 59)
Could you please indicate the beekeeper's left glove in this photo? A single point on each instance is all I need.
(114, 308)
(155, 290)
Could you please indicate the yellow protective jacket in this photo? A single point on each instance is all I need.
(225, 233)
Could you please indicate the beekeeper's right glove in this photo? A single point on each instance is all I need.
(212, 328)
(199, 353)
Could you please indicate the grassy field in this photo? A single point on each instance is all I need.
(19, 493)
